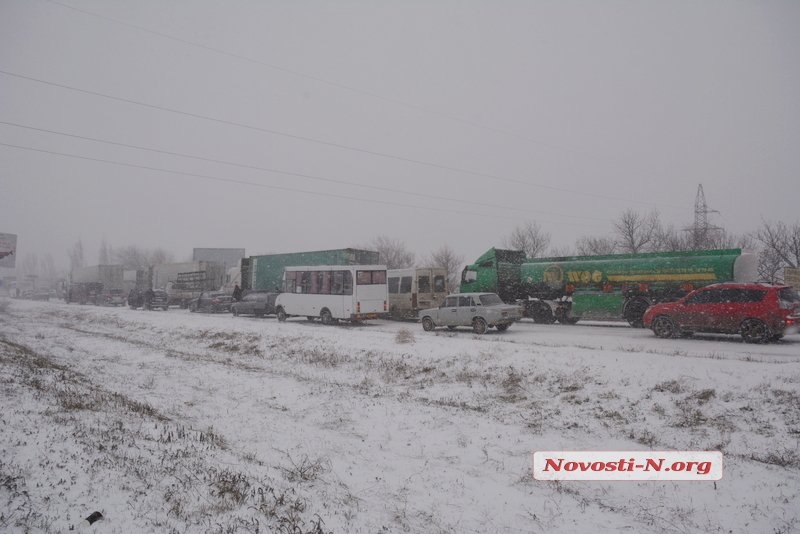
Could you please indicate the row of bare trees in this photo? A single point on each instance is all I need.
(132, 257)
(777, 243)
(395, 255)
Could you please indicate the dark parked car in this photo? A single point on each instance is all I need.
(211, 301)
(158, 299)
(256, 303)
(758, 312)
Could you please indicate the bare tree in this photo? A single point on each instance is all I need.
(76, 260)
(668, 239)
(770, 266)
(780, 247)
(636, 232)
(48, 267)
(782, 240)
(132, 257)
(30, 265)
(393, 252)
(529, 238)
(104, 255)
(452, 262)
(596, 246)
(159, 255)
(561, 252)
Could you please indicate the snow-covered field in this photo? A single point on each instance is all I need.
(172, 421)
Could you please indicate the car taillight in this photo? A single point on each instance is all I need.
(385, 308)
(358, 307)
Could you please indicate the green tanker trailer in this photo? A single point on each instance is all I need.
(602, 287)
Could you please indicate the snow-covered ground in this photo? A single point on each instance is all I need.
(172, 421)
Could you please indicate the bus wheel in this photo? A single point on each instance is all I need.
(326, 317)
(281, 314)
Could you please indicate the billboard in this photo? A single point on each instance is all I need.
(8, 250)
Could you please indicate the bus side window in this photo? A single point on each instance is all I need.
(338, 283)
(325, 284)
(394, 284)
(424, 284)
(305, 282)
(291, 284)
(347, 285)
(438, 284)
(405, 284)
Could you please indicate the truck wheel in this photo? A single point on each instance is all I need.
(564, 317)
(281, 314)
(479, 325)
(634, 311)
(427, 324)
(540, 312)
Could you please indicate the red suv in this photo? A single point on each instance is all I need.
(759, 312)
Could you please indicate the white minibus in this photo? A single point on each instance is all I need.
(333, 292)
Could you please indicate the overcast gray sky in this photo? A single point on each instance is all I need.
(285, 126)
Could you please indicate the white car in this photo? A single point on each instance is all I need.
(478, 310)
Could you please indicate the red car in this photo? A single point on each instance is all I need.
(759, 312)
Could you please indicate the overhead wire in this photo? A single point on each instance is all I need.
(258, 184)
(296, 174)
(318, 141)
(315, 78)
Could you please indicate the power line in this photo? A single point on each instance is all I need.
(257, 184)
(314, 78)
(296, 174)
(321, 142)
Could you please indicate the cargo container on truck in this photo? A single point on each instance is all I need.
(265, 272)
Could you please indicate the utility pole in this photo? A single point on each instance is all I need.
(701, 229)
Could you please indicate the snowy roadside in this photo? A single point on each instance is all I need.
(168, 421)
